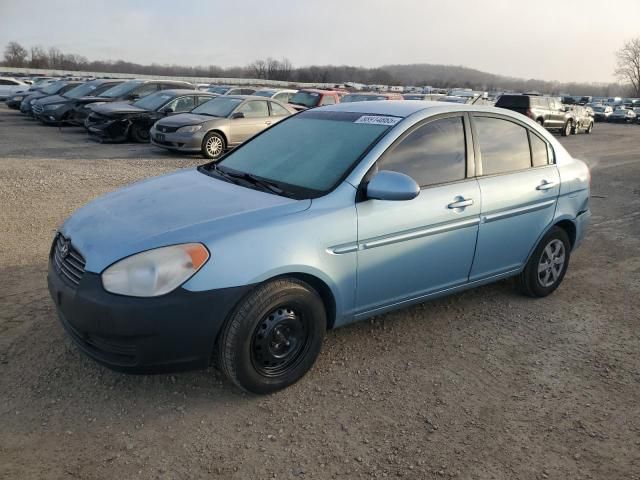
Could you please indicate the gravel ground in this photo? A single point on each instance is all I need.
(486, 384)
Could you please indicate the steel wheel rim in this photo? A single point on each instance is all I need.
(551, 263)
(279, 342)
(214, 146)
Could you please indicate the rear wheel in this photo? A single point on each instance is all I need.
(567, 129)
(273, 337)
(548, 264)
(213, 145)
(139, 133)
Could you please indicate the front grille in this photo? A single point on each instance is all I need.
(67, 260)
(165, 129)
(37, 108)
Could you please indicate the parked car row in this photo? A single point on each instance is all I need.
(210, 120)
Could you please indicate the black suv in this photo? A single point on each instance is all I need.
(127, 91)
(547, 111)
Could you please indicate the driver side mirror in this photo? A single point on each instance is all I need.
(133, 96)
(167, 110)
(237, 115)
(387, 185)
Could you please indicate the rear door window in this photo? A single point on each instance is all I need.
(278, 110)
(183, 104)
(146, 89)
(504, 145)
(433, 153)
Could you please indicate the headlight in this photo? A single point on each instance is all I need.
(53, 107)
(189, 129)
(155, 272)
(18, 97)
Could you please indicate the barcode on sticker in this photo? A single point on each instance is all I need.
(378, 120)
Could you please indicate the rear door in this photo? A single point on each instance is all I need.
(409, 249)
(255, 119)
(519, 185)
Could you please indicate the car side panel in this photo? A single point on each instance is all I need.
(302, 242)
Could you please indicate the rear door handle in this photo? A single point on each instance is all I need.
(546, 185)
(464, 202)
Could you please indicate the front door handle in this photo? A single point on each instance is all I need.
(463, 202)
(267, 123)
(546, 185)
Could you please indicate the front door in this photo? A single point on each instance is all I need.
(408, 249)
(255, 119)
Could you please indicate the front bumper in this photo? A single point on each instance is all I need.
(181, 142)
(113, 130)
(52, 117)
(14, 104)
(176, 331)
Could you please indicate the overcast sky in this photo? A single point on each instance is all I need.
(562, 40)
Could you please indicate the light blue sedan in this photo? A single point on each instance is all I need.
(329, 217)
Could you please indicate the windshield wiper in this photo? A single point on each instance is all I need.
(264, 184)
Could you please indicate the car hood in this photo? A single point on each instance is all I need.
(184, 206)
(117, 107)
(53, 99)
(184, 119)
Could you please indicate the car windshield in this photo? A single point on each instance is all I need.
(218, 107)
(362, 98)
(122, 89)
(53, 88)
(83, 90)
(413, 97)
(265, 93)
(453, 99)
(219, 90)
(306, 99)
(309, 153)
(153, 101)
(598, 109)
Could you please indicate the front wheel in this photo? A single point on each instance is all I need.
(139, 133)
(273, 337)
(548, 264)
(589, 128)
(567, 129)
(213, 145)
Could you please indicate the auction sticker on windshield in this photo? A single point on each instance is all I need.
(378, 120)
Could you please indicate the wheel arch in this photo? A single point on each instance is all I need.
(219, 132)
(321, 287)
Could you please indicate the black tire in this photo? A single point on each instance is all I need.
(139, 133)
(208, 140)
(530, 281)
(273, 337)
(567, 129)
(589, 128)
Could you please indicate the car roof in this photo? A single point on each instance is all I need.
(404, 108)
(317, 90)
(184, 91)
